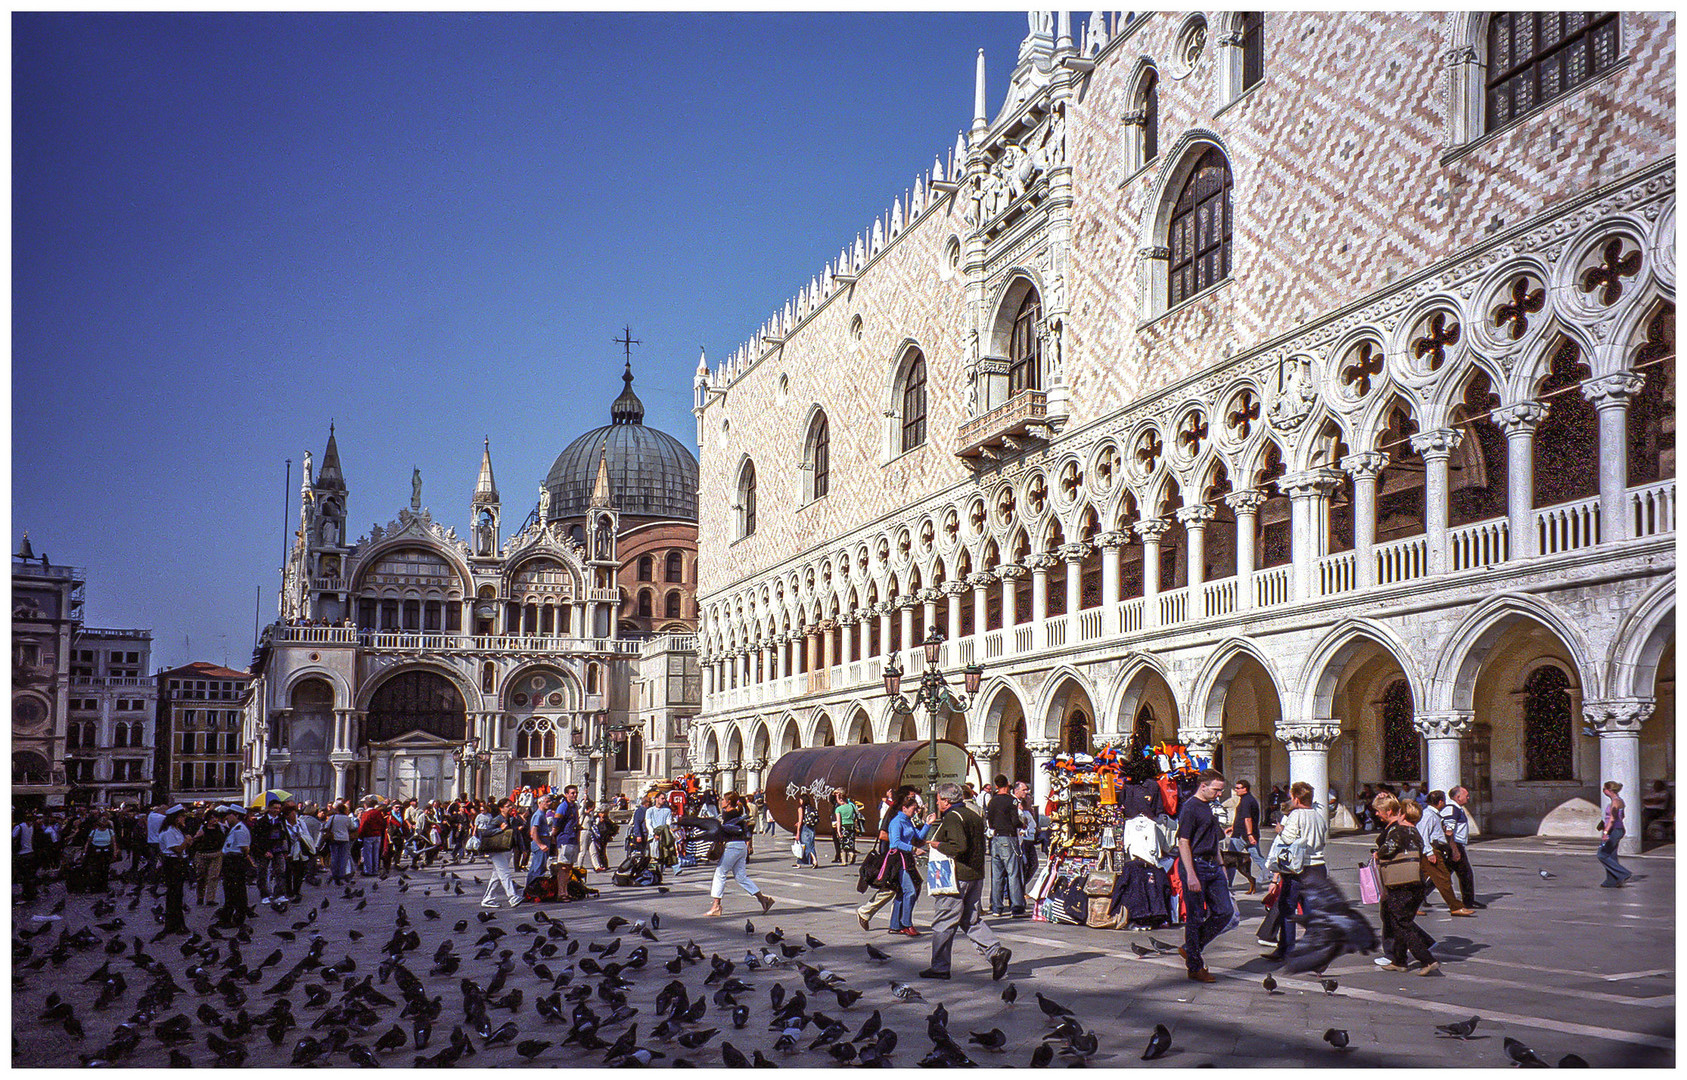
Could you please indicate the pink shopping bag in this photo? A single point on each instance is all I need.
(1370, 886)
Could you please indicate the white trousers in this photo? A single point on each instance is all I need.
(501, 875)
(734, 864)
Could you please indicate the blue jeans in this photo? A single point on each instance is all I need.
(807, 836)
(1007, 875)
(902, 908)
(339, 860)
(1287, 900)
(1259, 872)
(371, 855)
(1615, 872)
(1208, 911)
(539, 859)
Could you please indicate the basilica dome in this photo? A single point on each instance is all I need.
(651, 473)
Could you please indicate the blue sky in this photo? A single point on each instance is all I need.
(230, 229)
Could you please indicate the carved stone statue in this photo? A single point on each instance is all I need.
(307, 472)
(415, 489)
(1295, 394)
(330, 531)
(544, 503)
(604, 538)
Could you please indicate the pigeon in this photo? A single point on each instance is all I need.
(1522, 1055)
(532, 1048)
(1042, 1055)
(1546, 876)
(733, 1057)
(1162, 946)
(749, 927)
(904, 992)
(1052, 1008)
(1011, 994)
(1270, 985)
(1141, 951)
(1336, 1037)
(394, 1039)
(1572, 1061)
(991, 1040)
(1330, 986)
(1460, 1030)
(813, 942)
(1158, 1043)
(877, 955)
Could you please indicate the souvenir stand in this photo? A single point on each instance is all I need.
(1113, 838)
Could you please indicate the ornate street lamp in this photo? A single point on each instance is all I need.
(610, 736)
(934, 694)
(470, 754)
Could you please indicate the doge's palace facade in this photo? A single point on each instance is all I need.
(1299, 386)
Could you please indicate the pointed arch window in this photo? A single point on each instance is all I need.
(1253, 48)
(1199, 238)
(1401, 759)
(1150, 115)
(747, 500)
(914, 402)
(1533, 56)
(1025, 347)
(819, 457)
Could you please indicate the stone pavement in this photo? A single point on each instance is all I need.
(1558, 963)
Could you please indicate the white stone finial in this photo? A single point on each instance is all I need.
(979, 120)
(937, 169)
(1063, 36)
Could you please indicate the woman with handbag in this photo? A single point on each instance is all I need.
(808, 820)
(497, 841)
(1400, 867)
(905, 838)
(734, 828)
(1297, 856)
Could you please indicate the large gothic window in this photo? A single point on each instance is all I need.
(819, 457)
(914, 402)
(421, 701)
(1253, 47)
(1200, 229)
(1651, 415)
(1547, 749)
(1533, 56)
(1025, 350)
(1400, 757)
(747, 500)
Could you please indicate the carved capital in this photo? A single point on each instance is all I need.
(955, 588)
(1231, 39)
(1310, 484)
(1453, 725)
(730, 766)
(1521, 417)
(989, 751)
(1246, 502)
(1042, 748)
(756, 764)
(1197, 516)
(982, 579)
(1151, 529)
(1044, 562)
(1618, 718)
(1164, 253)
(1011, 571)
(1318, 735)
(931, 595)
(902, 603)
(1366, 465)
(1200, 741)
(849, 618)
(1439, 443)
(1614, 390)
(1075, 552)
(1134, 119)
(1112, 540)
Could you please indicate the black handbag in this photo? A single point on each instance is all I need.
(501, 840)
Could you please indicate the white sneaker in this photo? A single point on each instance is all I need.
(517, 902)
(1382, 961)
(490, 903)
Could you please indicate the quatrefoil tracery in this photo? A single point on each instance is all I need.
(1513, 316)
(1366, 364)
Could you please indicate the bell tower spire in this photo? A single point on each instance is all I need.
(484, 508)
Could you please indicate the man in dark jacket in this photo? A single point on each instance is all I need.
(960, 835)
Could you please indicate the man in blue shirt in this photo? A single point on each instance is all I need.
(540, 829)
(565, 826)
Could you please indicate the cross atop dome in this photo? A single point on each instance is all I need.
(627, 409)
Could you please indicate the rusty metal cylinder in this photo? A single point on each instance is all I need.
(864, 772)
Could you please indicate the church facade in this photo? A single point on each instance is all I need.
(411, 662)
(1299, 386)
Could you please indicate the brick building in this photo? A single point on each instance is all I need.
(199, 756)
(1296, 385)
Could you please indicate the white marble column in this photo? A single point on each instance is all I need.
(1245, 505)
(1307, 491)
(1040, 567)
(1443, 736)
(1618, 725)
(1112, 546)
(339, 779)
(980, 583)
(1518, 422)
(984, 755)
(953, 591)
(1309, 755)
(928, 610)
(1042, 752)
(1611, 395)
(1074, 555)
(1201, 742)
(1151, 530)
(1364, 468)
(1436, 447)
(1010, 573)
(884, 628)
(906, 603)
(1194, 520)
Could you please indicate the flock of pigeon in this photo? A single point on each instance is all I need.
(553, 995)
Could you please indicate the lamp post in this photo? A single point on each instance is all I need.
(472, 755)
(609, 737)
(934, 694)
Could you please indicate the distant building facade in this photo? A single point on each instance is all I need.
(110, 741)
(46, 616)
(199, 754)
(1296, 385)
(410, 662)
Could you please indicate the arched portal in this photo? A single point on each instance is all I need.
(415, 719)
(304, 733)
(1363, 685)
(1245, 704)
